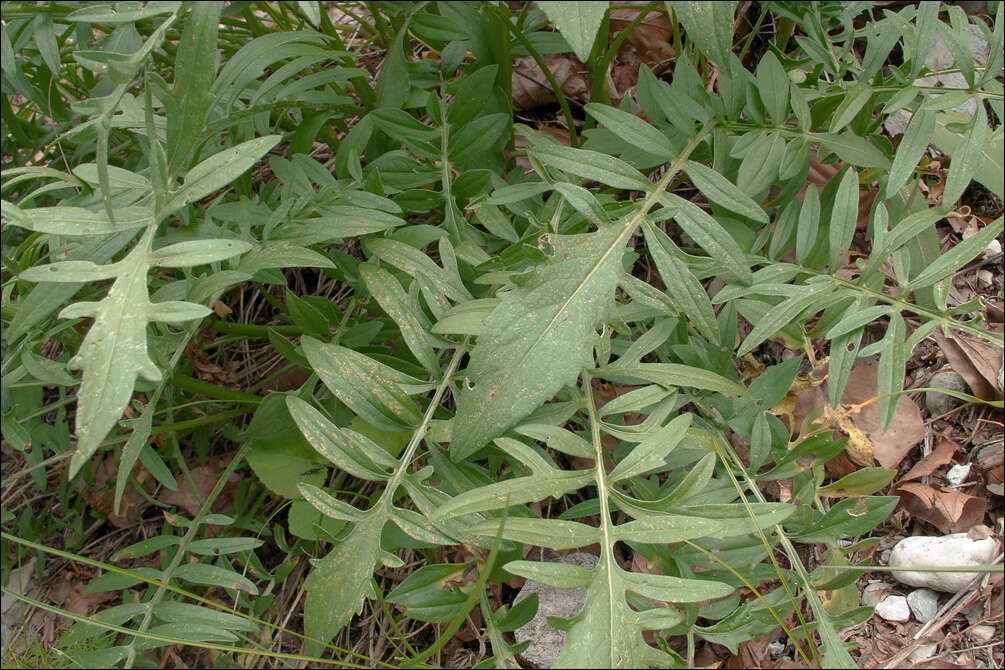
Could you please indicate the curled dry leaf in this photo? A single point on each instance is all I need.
(977, 361)
(866, 442)
(948, 510)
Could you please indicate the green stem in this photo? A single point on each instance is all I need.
(214, 391)
(255, 330)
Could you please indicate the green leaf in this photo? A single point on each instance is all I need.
(367, 387)
(552, 533)
(334, 444)
(539, 337)
(966, 158)
(672, 374)
(578, 23)
(339, 581)
(844, 216)
(76, 220)
(709, 25)
(224, 545)
(912, 147)
(194, 71)
(172, 611)
(724, 193)
(470, 94)
(848, 518)
(853, 149)
(197, 252)
(70, 271)
(544, 481)
(393, 83)
(591, 165)
(401, 125)
(218, 171)
(709, 235)
(278, 452)
(632, 130)
(468, 318)
(682, 285)
(760, 166)
(393, 299)
(817, 296)
(424, 595)
(956, 257)
(584, 202)
(890, 372)
(859, 483)
(855, 98)
(651, 453)
(477, 137)
(773, 86)
(809, 223)
(212, 575)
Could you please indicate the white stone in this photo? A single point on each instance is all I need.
(940, 403)
(982, 633)
(924, 604)
(958, 474)
(956, 550)
(894, 608)
(993, 249)
(874, 592)
(546, 642)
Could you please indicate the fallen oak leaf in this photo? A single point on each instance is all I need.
(948, 510)
(976, 360)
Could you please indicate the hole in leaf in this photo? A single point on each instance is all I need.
(545, 244)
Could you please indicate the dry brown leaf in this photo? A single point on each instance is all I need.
(205, 478)
(85, 604)
(889, 448)
(948, 510)
(941, 455)
(976, 360)
(530, 85)
(963, 221)
(650, 39)
(101, 495)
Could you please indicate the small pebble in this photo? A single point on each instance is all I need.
(985, 278)
(958, 474)
(993, 249)
(940, 403)
(982, 633)
(924, 652)
(894, 608)
(924, 604)
(874, 592)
